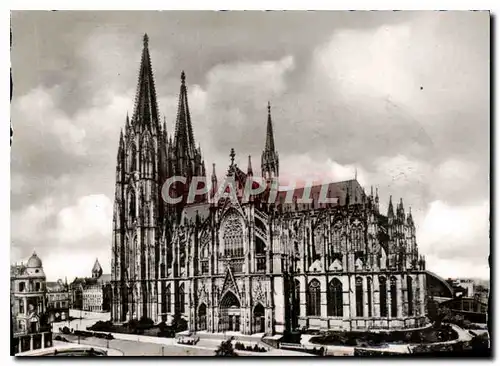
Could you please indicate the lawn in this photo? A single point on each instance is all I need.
(373, 339)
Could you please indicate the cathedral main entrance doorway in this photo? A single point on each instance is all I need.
(230, 313)
(258, 319)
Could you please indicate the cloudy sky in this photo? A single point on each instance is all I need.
(403, 97)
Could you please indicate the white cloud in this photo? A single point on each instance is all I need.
(29, 223)
(39, 114)
(456, 233)
(60, 262)
(92, 215)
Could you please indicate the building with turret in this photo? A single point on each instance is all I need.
(263, 265)
(92, 294)
(28, 299)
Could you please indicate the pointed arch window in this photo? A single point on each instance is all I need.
(182, 299)
(233, 237)
(314, 298)
(409, 288)
(337, 238)
(369, 295)
(383, 296)
(168, 300)
(297, 298)
(357, 236)
(132, 204)
(359, 297)
(204, 258)
(334, 299)
(394, 298)
(133, 158)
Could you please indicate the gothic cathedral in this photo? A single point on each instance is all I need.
(252, 267)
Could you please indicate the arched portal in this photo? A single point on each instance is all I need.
(230, 313)
(202, 317)
(258, 319)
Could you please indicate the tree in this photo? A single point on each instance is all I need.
(226, 349)
(436, 314)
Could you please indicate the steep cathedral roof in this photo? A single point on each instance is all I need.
(347, 192)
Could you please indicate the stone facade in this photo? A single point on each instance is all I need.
(92, 294)
(30, 326)
(252, 266)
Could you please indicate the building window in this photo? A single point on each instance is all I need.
(168, 300)
(204, 266)
(369, 295)
(337, 238)
(383, 296)
(357, 236)
(297, 297)
(37, 286)
(359, 297)
(394, 300)
(233, 236)
(335, 306)
(133, 159)
(182, 299)
(22, 286)
(260, 247)
(21, 306)
(314, 298)
(409, 288)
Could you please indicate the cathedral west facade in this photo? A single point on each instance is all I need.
(252, 266)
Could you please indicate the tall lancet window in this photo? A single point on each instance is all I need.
(314, 298)
(133, 158)
(369, 295)
(359, 297)
(394, 298)
(357, 236)
(168, 299)
(337, 238)
(383, 296)
(334, 299)
(182, 299)
(409, 288)
(132, 206)
(233, 236)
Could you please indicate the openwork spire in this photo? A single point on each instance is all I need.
(146, 108)
(184, 138)
(270, 160)
(269, 134)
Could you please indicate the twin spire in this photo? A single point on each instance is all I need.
(146, 107)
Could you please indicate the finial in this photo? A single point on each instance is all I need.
(232, 155)
(250, 170)
(355, 173)
(376, 191)
(269, 107)
(183, 77)
(146, 39)
(371, 191)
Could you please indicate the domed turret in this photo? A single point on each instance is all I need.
(34, 262)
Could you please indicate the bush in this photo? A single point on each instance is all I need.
(179, 324)
(226, 349)
(101, 326)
